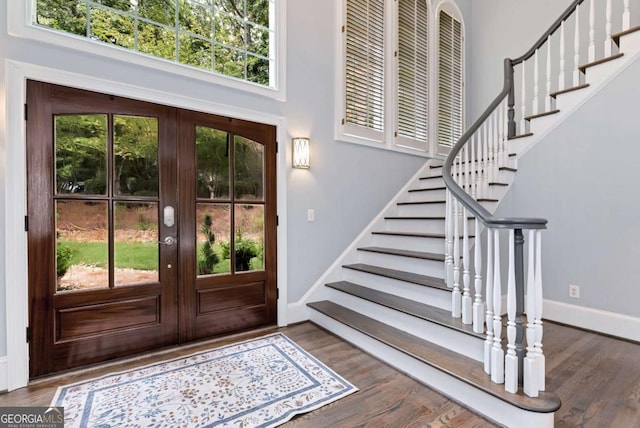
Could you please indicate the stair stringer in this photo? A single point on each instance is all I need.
(298, 311)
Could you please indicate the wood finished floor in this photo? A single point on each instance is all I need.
(596, 377)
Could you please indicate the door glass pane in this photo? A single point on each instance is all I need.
(135, 243)
(249, 238)
(135, 150)
(82, 260)
(81, 154)
(212, 163)
(213, 229)
(249, 169)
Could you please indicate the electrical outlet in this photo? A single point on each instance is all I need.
(574, 291)
(311, 215)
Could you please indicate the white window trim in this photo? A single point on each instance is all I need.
(387, 139)
(452, 9)
(13, 170)
(19, 24)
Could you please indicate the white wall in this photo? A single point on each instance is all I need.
(583, 177)
(347, 184)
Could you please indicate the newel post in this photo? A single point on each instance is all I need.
(511, 128)
(520, 292)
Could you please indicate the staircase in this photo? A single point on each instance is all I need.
(408, 291)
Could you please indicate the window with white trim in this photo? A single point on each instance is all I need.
(390, 97)
(450, 120)
(234, 38)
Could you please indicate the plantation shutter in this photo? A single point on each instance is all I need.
(449, 80)
(365, 64)
(413, 66)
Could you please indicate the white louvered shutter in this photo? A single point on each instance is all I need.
(365, 64)
(413, 66)
(450, 85)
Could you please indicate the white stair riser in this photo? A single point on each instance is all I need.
(541, 124)
(430, 184)
(456, 341)
(421, 210)
(418, 226)
(405, 264)
(419, 293)
(431, 245)
(630, 44)
(431, 195)
(460, 391)
(598, 73)
(503, 175)
(568, 100)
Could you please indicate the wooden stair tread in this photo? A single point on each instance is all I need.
(488, 200)
(546, 113)
(564, 91)
(616, 37)
(456, 365)
(415, 235)
(404, 253)
(430, 178)
(410, 307)
(420, 218)
(414, 278)
(515, 137)
(584, 67)
(420, 203)
(427, 190)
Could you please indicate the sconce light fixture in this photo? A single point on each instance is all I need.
(301, 153)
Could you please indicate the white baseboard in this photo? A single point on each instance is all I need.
(619, 325)
(297, 312)
(4, 384)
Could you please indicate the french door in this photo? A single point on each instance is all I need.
(148, 226)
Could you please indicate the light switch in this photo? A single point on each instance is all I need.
(311, 215)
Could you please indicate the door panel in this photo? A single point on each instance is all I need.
(149, 226)
(227, 280)
(99, 169)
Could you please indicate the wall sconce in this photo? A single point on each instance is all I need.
(301, 153)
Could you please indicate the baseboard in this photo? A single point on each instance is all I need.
(4, 384)
(611, 323)
(297, 312)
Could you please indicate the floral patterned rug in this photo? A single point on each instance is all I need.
(262, 382)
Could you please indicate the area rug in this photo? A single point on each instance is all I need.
(262, 382)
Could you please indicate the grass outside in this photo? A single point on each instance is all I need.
(134, 255)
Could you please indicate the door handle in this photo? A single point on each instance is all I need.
(169, 240)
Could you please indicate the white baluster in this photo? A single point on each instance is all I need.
(448, 243)
(592, 31)
(534, 107)
(608, 41)
(476, 165)
(626, 16)
(504, 131)
(491, 141)
(540, 359)
(530, 380)
(485, 171)
(456, 296)
(511, 359)
(523, 95)
(478, 304)
(488, 343)
(547, 97)
(497, 353)
(561, 76)
(576, 47)
(467, 316)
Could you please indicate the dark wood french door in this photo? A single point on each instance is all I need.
(148, 226)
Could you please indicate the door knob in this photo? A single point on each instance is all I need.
(169, 240)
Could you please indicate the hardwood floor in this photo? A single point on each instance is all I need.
(595, 376)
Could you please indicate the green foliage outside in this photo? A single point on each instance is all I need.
(247, 251)
(208, 258)
(189, 34)
(64, 256)
(134, 255)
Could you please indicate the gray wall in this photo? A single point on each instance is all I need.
(511, 28)
(584, 178)
(347, 184)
